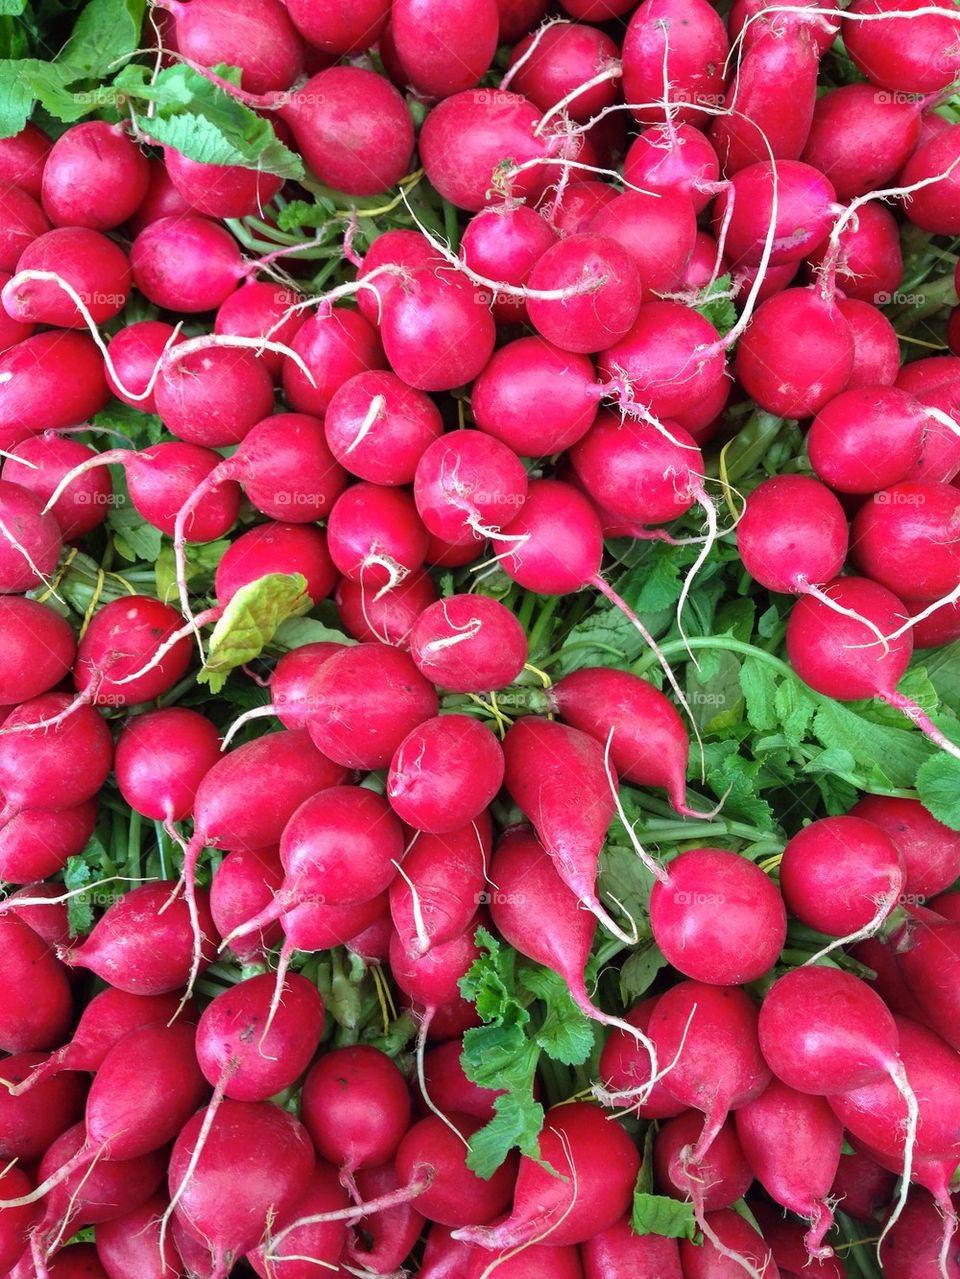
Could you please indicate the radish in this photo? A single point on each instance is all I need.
(717, 917)
(467, 486)
(912, 1249)
(43, 908)
(375, 536)
(720, 1180)
(213, 395)
(308, 1247)
(782, 1119)
(862, 1187)
(76, 750)
(15, 1223)
(261, 309)
(121, 637)
(38, 649)
(334, 345)
(30, 540)
(930, 850)
(535, 398)
(160, 760)
(11, 331)
(592, 293)
(928, 956)
(935, 383)
(658, 230)
(388, 616)
(129, 1246)
(617, 1253)
(138, 950)
(504, 243)
(865, 258)
(22, 221)
(661, 64)
(221, 190)
(267, 1156)
(903, 539)
(437, 332)
(932, 205)
(36, 843)
(571, 64)
(444, 47)
(244, 884)
(91, 263)
(401, 249)
(135, 351)
(286, 469)
(674, 157)
(162, 200)
(186, 263)
(842, 439)
(106, 1019)
(793, 535)
(450, 1089)
(291, 680)
(256, 37)
(356, 1107)
(49, 381)
(912, 52)
(862, 139)
(29, 1124)
(749, 20)
(468, 644)
(94, 176)
(22, 159)
(431, 981)
(440, 884)
(733, 1246)
(40, 463)
(876, 347)
(743, 214)
(535, 1261)
(598, 1165)
(842, 876)
(378, 428)
(327, 27)
(365, 700)
(624, 1069)
(578, 205)
(276, 547)
(444, 773)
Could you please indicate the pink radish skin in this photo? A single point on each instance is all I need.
(78, 1261)
(140, 951)
(78, 752)
(863, 1187)
(928, 956)
(162, 477)
(566, 57)
(764, 17)
(30, 540)
(335, 345)
(186, 263)
(504, 243)
(30, 1123)
(49, 381)
(598, 1164)
(387, 617)
(658, 231)
(255, 310)
(365, 700)
(444, 47)
(122, 638)
(291, 680)
(432, 980)
(718, 918)
(23, 157)
(221, 190)
(709, 1033)
(805, 200)
(876, 347)
(356, 1108)
(95, 267)
(162, 199)
(720, 1180)
(378, 428)
(910, 53)
(276, 547)
(269, 1153)
(625, 1067)
(40, 462)
(38, 649)
(693, 66)
(860, 138)
(538, 1261)
(40, 907)
(468, 484)
(448, 877)
(930, 850)
(840, 875)
(468, 644)
(445, 773)
(214, 396)
(287, 470)
(562, 542)
(315, 926)
(618, 1253)
(912, 1248)
(15, 1223)
(22, 221)
(437, 332)
(933, 207)
(405, 249)
(903, 539)
(11, 331)
(782, 1119)
(633, 471)
(244, 884)
(328, 28)
(434, 1158)
(375, 535)
(793, 534)
(388, 1236)
(737, 1236)
(578, 206)
(448, 1086)
(160, 760)
(256, 37)
(843, 439)
(95, 176)
(129, 1246)
(318, 1244)
(935, 382)
(673, 158)
(601, 289)
(868, 261)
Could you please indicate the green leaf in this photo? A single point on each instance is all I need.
(639, 971)
(759, 684)
(566, 1035)
(16, 99)
(720, 311)
(105, 31)
(893, 755)
(249, 622)
(660, 1215)
(133, 537)
(517, 1122)
(79, 910)
(794, 709)
(201, 561)
(139, 429)
(938, 785)
(13, 8)
(297, 631)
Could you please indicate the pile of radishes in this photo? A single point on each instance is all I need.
(456, 425)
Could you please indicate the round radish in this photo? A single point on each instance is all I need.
(30, 540)
(186, 263)
(356, 1107)
(123, 637)
(793, 534)
(52, 766)
(38, 649)
(161, 758)
(504, 243)
(438, 333)
(135, 352)
(276, 548)
(445, 773)
(377, 427)
(467, 486)
(335, 345)
(468, 644)
(254, 35)
(38, 1006)
(597, 293)
(95, 176)
(905, 539)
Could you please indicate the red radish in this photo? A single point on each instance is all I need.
(467, 486)
(261, 309)
(735, 1247)
(743, 217)
(221, 190)
(11, 331)
(162, 199)
(375, 536)
(95, 269)
(720, 1180)
(335, 345)
(465, 138)
(842, 876)
(15, 1223)
(78, 1261)
(378, 428)
(267, 1156)
(214, 395)
(286, 469)
(316, 926)
(255, 36)
(129, 1246)
(387, 616)
(862, 138)
(325, 26)
(903, 539)
(95, 176)
(618, 1253)
(452, 555)
(440, 885)
(782, 1120)
(140, 951)
(862, 1187)
(402, 249)
(717, 917)
(864, 259)
(789, 334)
(844, 434)
(670, 360)
(107, 1018)
(30, 1124)
(312, 1246)
(749, 20)
(936, 383)
(38, 649)
(77, 751)
(432, 980)
(438, 333)
(449, 1088)
(913, 1248)
(186, 263)
(244, 884)
(578, 205)
(567, 57)
(658, 231)
(135, 351)
(584, 293)
(40, 463)
(876, 347)
(933, 205)
(275, 547)
(22, 221)
(674, 157)
(445, 773)
(684, 71)
(930, 850)
(559, 540)
(793, 534)
(356, 1108)
(365, 700)
(535, 1261)
(625, 1068)
(503, 243)
(912, 52)
(375, 154)
(468, 644)
(30, 540)
(160, 760)
(928, 956)
(535, 398)
(49, 381)
(37, 842)
(291, 680)
(598, 1165)
(22, 159)
(444, 46)
(42, 907)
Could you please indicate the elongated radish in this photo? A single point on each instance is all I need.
(442, 881)
(30, 1124)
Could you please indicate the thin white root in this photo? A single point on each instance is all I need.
(655, 869)
(422, 1031)
(710, 512)
(885, 905)
(255, 712)
(423, 937)
(902, 1085)
(377, 405)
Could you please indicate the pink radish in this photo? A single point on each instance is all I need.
(720, 1180)
(864, 259)
(129, 1246)
(624, 1069)
(674, 157)
(876, 347)
(437, 332)
(186, 263)
(658, 230)
(327, 27)
(92, 265)
(579, 204)
(504, 243)
(903, 539)
(930, 850)
(862, 139)
(467, 486)
(564, 65)
(77, 751)
(441, 883)
(214, 394)
(256, 37)
(221, 190)
(468, 644)
(30, 540)
(15, 1223)
(49, 381)
(38, 649)
(843, 433)
(276, 547)
(733, 1247)
(162, 199)
(912, 52)
(444, 46)
(660, 64)
(743, 214)
(912, 1249)
(375, 536)
(30, 1124)
(618, 1253)
(335, 344)
(669, 361)
(388, 616)
(792, 535)
(22, 222)
(291, 680)
(928, 956)
(445, 773)
(95, 176)
(123, 637)
(43, 908)
(448, 1086)
(160, 760)
(39, 464)
(314, 1246)
(261, 309)
(594, 293)
(23, 157)
(862, 1187)
(378, 428)
(243, 885)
